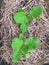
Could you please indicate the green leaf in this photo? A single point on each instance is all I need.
(35, 42)
(16, 56)
(21, 36)
(36, 11)
(24, 27)
(32, 43)
(17, 44)
(29, 41)
(27, 55)
(21, 17)
(25, 49)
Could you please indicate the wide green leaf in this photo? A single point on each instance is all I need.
(17, 44)
(36, 11)
(16, 56)
(24, 27)
(20, 17)
(32, 43)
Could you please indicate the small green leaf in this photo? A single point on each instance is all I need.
(21, 10)
(36, 11)
(21, 36)
(17, 44)
(32, 43)
(29, 41)
(25, 49)
(27, 55)
(35, 42)
(24, 27)
(21, 17)
(16, 56)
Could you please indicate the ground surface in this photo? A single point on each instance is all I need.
(39, 28)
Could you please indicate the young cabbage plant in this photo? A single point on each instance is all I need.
(20, 45)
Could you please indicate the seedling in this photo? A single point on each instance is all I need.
(22, 46)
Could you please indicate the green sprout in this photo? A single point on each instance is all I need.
(36, 11)
(22, 46)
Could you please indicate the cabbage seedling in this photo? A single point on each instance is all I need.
(21, 45)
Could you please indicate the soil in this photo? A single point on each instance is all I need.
(9, 30)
